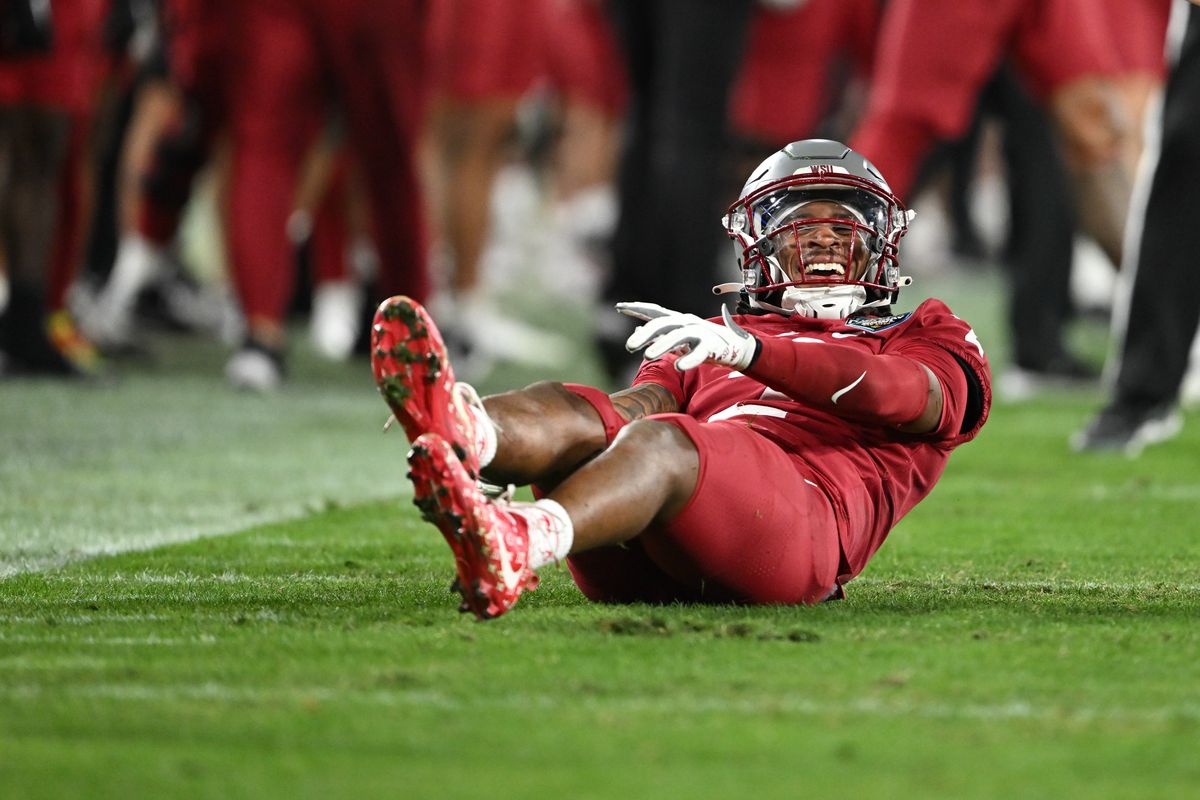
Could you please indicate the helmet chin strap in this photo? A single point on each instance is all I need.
(826, 302)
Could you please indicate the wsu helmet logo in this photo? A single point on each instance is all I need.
(822, 170)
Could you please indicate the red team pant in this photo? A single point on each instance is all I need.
(66, 79)
(754, 531)
(371, 53)
(783, 90)
(934, 57)
(481, 50)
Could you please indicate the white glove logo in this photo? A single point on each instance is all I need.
(699, 340)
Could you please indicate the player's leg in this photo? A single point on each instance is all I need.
(648, 474)
(147, 222)
(33, 144)
(1070, 57)
(1157, 323)
(472, 139)
(932, 60)
(1039, 256)
(375, 51)
(772, 539)
(532, 435)
(75, 199)
(274, 115)
(753, 529)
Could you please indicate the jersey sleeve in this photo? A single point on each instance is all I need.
(949, 347)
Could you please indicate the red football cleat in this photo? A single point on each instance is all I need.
(414, 376)
(491, 545)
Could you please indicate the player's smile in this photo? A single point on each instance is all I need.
(823, 248)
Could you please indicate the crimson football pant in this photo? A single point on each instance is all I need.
(370, 50)
(755, 530)
(74, 202)
(934, 57)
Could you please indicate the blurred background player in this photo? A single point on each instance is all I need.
(1156, 325)
(933, 61)
(825, 79)
(49, 78)
(170, 133)
(287, 54)
(1039, 248)
(526, 122)
(513, 48)
(173, 139)
(331, 230)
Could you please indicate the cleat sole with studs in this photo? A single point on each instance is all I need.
(449, 498)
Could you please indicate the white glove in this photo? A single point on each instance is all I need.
(698, 339)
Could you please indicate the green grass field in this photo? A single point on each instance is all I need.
(204, 594)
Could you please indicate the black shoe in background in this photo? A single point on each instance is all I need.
(25, 342)
(1128, 429)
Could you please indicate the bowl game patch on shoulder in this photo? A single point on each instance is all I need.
(877, 323)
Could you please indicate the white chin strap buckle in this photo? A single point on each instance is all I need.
(828, 302)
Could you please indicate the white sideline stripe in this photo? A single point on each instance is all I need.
(1019, 710)
(187, 579)
(150, 540)
(110, 641)
(91, 619)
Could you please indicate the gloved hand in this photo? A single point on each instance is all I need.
(698, 339)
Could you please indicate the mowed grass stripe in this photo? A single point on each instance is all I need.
(697, 706)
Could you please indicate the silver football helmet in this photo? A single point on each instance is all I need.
(816, 233)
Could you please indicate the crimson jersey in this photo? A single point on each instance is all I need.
(873, 475)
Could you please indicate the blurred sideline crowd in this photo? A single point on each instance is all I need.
(570, 152)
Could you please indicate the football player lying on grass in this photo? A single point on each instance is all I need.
(761, 457)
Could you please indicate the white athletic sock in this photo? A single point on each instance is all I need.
(139, 263)
(550, 531)
(485, 434)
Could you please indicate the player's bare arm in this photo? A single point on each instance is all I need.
(642, 401)
(932, 413)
